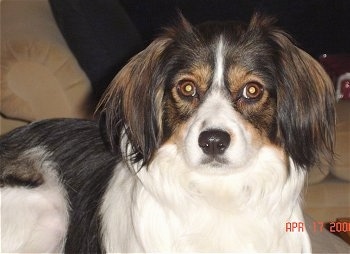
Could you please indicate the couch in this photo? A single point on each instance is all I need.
(42, 78)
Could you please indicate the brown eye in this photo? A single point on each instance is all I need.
(252, 91)
(187, 89)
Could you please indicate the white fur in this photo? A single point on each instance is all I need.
(219, 63)
(173, 207)
(35, 220)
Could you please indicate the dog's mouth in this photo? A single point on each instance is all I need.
(214, 161)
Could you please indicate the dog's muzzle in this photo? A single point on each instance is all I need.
(214, 142)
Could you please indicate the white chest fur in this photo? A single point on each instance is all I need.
(169, 207)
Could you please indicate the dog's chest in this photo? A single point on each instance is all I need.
(206, 230)
(146, 225)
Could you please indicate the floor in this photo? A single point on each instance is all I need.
(328, 200)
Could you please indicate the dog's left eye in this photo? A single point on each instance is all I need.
(187, 88)
(252, 91)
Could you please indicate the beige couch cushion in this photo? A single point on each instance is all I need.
(40, 76)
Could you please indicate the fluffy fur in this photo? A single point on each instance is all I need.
(203, 145)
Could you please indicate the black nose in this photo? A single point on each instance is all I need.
(214, 142)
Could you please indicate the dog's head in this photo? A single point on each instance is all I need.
(220, 92)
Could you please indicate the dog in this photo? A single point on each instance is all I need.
(203, 145)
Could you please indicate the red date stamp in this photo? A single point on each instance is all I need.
(318, 226)
(339, 226)
(295, 226)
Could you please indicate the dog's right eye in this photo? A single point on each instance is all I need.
(252, 91)
(187, 88)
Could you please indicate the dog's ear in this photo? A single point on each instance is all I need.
(132, 105)
(305, 103)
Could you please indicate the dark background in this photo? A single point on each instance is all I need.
(104, 34)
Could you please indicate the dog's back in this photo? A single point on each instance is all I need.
(45, 167)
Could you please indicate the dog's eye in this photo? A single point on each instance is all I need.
(252, 91)
(187, 88)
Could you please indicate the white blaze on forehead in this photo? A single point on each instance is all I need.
(219, 63)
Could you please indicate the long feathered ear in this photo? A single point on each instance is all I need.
(305, 105)
(132, 104)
